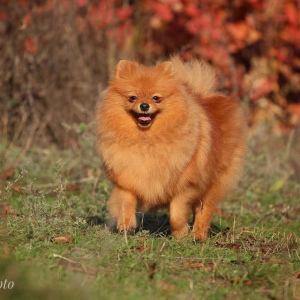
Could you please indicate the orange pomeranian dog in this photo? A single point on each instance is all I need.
(167, 141)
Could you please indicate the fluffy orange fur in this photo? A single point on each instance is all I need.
(185, 152)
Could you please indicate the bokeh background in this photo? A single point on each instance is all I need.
(56, 57)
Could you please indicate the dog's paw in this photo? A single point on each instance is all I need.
(126, 225)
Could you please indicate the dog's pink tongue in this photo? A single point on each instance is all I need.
(145, 119)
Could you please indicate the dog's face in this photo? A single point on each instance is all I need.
(143, 110)
(146, 93)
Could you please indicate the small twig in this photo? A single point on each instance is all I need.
(75, 267)
(165, 221)
(62, 257)
(162, 247)
(125, 236)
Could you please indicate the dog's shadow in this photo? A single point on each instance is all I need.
(158, 223)
(154, 223)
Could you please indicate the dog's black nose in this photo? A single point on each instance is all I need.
(144, 107)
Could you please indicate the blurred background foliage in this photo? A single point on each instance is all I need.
(56, 57)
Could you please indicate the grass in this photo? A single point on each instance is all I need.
(253, 251)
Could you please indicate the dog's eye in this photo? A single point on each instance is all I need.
(156, 98)
(132, 98)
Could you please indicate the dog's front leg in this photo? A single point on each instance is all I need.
(180, 211)
(122, 207)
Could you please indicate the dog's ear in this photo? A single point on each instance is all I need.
(125, 68)
(166, 67)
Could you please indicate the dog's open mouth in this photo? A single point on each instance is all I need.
(144, 119)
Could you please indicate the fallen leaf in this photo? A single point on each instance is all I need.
(277, 186)
(142, 248)
(6, 210)
(297, 274)
(209, 266)
(152, 271)
(229, 245)
(72, 187)
(17, 188)
(239, 280)
(7, 174)
(64, 239)
(248, 282)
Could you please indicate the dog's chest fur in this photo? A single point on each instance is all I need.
(146, 170)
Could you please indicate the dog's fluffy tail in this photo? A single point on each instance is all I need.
(197, 75)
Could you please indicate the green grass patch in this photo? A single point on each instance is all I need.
(252, 253)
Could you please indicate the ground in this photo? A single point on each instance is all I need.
(55, 244)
